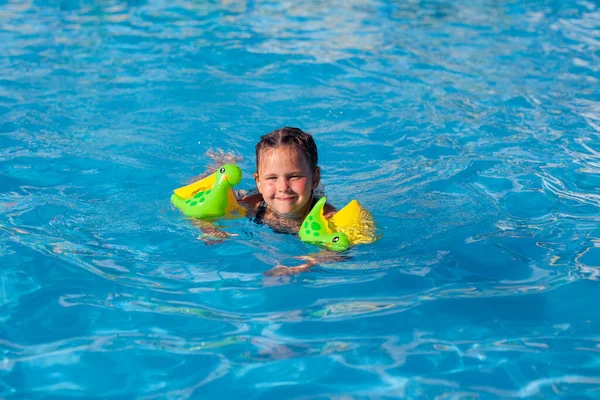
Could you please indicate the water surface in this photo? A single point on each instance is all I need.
(470, 131)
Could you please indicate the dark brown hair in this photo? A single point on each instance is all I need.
(292, 137)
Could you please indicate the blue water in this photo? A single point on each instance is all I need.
(470, 130)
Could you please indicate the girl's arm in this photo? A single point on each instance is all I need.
(210, 233)
(321, 257)
(214, 235)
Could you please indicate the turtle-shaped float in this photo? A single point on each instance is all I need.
(211, 197)
(315, 229)
(351, 225)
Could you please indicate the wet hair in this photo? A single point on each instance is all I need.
(289, 137)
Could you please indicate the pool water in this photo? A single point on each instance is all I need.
(469, 129)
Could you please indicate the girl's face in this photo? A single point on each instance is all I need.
(285, 181)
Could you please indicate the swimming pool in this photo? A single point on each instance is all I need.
(470, 131)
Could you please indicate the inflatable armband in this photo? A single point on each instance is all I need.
(315, 229)
(353, 224)
(356, 222)
(210, 197)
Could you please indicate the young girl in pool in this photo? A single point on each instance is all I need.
(286, 177)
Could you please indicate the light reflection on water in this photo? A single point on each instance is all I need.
(470, 131)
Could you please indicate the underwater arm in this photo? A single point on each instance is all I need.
(210, 233)
(311, 260)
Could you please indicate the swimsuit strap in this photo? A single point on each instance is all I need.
(260, 212)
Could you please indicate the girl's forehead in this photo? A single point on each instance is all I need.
(282, 154)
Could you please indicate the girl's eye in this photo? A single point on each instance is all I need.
(271, 178)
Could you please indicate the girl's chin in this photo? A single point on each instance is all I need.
(288, 209)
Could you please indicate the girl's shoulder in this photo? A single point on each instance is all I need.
(329, 210)
(250, 201)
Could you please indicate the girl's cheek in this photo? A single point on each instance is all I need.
(300, 183)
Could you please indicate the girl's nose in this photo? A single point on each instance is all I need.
(282, 185)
